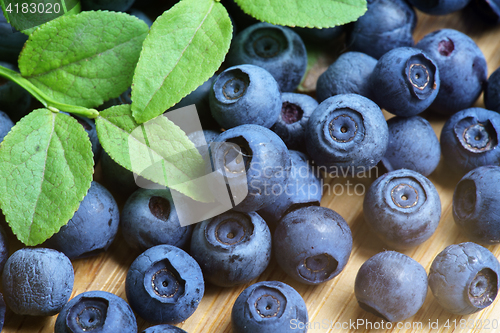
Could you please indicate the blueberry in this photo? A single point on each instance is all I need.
(4, 250)
(245, 94)
(203, 138)
(37, 281)
(475, 205)
(320, 36)
(312, 244)
(3, 309)
(140, 15)
(488, 10)
(391, 285)
(464, 278)
(462, 69)
(304, 188)
(149, 218)
(232, 248)
(116, 177)
(277, 49)
(402, 207)
(349, 74)
(269, 307)
(200, 98)
(93, 227)
(291, 124)
(96, 311)
(114, 5)
(413, 145)
(14, 100)
(469, 139)
(387, 24)
(492, 92)
(164, 285)
(347, 132)
(163, 329)
(262, 165)
(439, 7)
(405, 81)
(11, 41)
(5, 125)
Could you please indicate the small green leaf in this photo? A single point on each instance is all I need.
(26, 16)
(158, 150)
(185, 46)
(84, 59)
(305, 13)
(46, 165)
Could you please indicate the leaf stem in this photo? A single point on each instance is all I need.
(47, 101)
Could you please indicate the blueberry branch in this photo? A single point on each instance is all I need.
(47, 101)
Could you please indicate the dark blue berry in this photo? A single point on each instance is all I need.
(413, 145)
(114, 5)
(277, 49)
(304, 188)
(3, 309)
(269, 307)
(488, 10)
(165, 328)
(140, 15)
(14, 100)
(312, 244)
(320, 36)
(469, 139)
(96, 311)
(391, 285)
(5, 125)
(405, 81)
(232, 248)
(149, 218)
(347, 132)
(245, 94)
(164, 285)
(4, 249)
(349, 74)
(11, 41)
(93, 227)
(402, 207)
(462, 69)
(292, 122)
(254, 157)
(464, 278)
(439, 7)
(115, 177)
(37, 281)
(387, 24)
(475, 205)
(492, 92)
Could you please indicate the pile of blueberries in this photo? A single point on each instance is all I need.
(279, 142)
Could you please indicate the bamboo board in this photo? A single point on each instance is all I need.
(332, 306)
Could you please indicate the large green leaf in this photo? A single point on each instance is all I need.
(305, 13)
(46, 166)
(158, 150)
(84, 59)
(185, 46)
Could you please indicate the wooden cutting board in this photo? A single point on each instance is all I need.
(331, 305)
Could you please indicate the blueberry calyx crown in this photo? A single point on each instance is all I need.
(476, 136)
(231, 85)
(420, 73)
(466, 198)
(345, 126)
(483, 288)
(291, 113)
(234, 88)
(446, 47)
(159, 208)
(404, 195)
(235, 155)
(267, 42)
(163, 282)
(229, 229)
(318, 268)
(88, 314)
(266, 303)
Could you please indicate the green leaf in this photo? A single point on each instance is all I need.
(84, 59)
(25, 15)
(46, 165)
(185, 46)
(305, 13)
(158, 150)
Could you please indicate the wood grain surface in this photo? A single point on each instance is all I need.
(332, 303)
